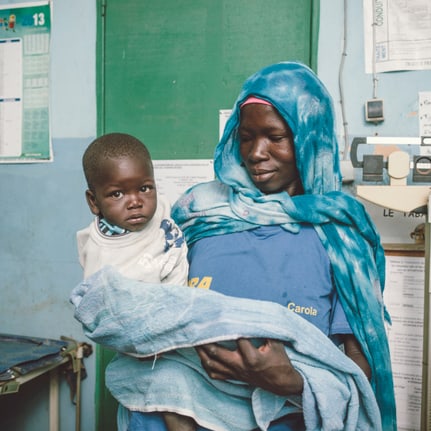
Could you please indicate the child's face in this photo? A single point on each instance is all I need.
(124, 193)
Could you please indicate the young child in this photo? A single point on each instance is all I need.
(132, 230)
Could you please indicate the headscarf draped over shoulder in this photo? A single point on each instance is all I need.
(233, 203)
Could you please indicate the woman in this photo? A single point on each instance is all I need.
(274, 226)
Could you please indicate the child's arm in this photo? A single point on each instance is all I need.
(176, 269)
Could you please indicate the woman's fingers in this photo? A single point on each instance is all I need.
(266, 366)
(220, 363)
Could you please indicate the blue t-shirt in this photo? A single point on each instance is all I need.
(266, 263)
(269, 263)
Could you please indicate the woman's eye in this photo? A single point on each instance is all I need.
(277, 138)
(244, 138)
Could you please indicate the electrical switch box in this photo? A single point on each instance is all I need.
(374, 111)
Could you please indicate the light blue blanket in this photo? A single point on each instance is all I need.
(144, 320)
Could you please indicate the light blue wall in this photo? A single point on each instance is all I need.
(399, 90)
(43, 204)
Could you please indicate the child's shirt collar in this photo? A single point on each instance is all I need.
(109, 229)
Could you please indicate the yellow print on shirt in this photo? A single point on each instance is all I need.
(300, 309)
(205, 283)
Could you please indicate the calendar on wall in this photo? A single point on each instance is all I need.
(25, 31)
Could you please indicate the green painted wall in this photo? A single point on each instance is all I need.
(169, 66)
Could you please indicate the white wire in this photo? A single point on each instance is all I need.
(340, 85)
(373, 51)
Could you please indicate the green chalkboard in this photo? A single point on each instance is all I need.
(166, 67)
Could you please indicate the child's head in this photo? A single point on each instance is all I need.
(120, 178)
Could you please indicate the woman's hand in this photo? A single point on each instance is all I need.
(266, 366)
(353, 350)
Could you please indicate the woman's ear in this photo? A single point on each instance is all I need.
(92, 203)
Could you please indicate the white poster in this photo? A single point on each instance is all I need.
(404, 299)
(174, 177)
(425, 113)
(398, 32)
(224, 115)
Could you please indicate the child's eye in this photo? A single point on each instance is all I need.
(146, 189)
(117, 194)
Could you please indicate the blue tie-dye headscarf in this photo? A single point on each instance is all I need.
(233, 203)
